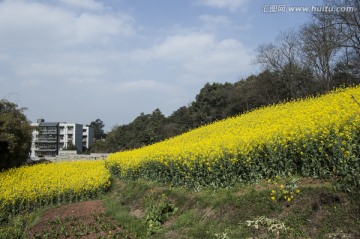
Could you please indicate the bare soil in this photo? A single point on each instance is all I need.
(79, 220)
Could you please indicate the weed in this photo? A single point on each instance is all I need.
(222, 235)
(350, 183)
(273, 226)
(157, 214)
(286, 192)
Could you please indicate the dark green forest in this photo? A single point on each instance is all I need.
(321, 55)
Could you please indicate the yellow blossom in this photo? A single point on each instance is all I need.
(303, 124)
(45, 182)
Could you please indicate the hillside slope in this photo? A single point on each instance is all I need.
(312, 137)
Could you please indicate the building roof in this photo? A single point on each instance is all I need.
(49, 124)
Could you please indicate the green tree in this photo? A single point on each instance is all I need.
(98, 126)
(100, 146)
(346, 74)
(210, 103)
(154, 130)
(178, 122)
(15, 135)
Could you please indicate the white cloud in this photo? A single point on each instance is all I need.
(76, 56)
(54, 69)
(204, 56)
(30, 82)
(4, 57)
(227, 57)
(232, 5)
(88, 81)
(86, 4)
(39, 26)
(138, 85)
(25, 25)
(222, 24)
(101, 29)
(178, 47)
(211, 21)
(194, 57)
(184, 46)
(2, 79)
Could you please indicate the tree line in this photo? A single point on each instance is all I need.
(319, 56)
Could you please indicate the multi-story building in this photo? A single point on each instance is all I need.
(45, 139)
(71, 136)
(88, 136)
(48, 138)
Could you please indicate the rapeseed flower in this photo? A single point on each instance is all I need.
(312, 136)
(47, 183)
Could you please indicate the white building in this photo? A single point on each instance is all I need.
(35, 138)
(67, 136)
(71, 134)
(45, 139)
(88, 136)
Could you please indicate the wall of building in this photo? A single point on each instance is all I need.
(77, 140)
(35, 134)
(46, 140)
(67, 133)
(71, 133)
(88, 136)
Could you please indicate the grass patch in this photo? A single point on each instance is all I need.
(318, 211)
(244, 211)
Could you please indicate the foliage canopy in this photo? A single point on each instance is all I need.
(15, 135)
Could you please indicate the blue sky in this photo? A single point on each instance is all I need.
(79, 60)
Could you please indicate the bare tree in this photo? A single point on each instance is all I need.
(321, 41)
(269, 57)
(348, 20)
(284, 58)
(284, 52)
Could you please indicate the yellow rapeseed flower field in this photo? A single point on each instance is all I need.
(43, 184)
(315, 136)
(311, 137)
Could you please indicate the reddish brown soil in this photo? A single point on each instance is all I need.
(79, 220)
(82, 209)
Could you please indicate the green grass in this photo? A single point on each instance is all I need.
(243, 211)
(316, 212)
